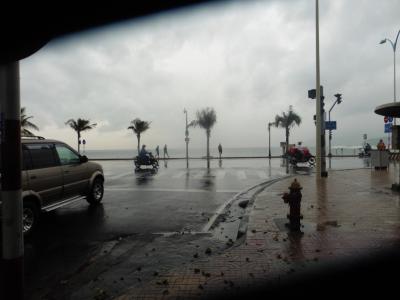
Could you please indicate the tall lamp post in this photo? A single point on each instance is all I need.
(394, 64)
(320, 130)
(269, 139)
(338, 101)
(192, 123)
(186, 139)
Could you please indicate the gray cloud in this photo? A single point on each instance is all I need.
(249, 60)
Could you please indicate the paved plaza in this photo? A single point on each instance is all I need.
(350, 219)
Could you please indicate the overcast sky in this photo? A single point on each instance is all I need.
(248, 60)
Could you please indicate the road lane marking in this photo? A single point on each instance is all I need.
(118, 176)
(179, 174)
(221, 174)
(262, 174)
(168, 190)
(199, 175)
(241, 175)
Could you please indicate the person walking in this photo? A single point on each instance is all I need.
(166, 151)
(381, 145)
(158, 152)
(220, 150)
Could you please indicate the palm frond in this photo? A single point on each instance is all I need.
(80, 124)
(287, 120)
(25, 123)
(206, 118)
(138, 126)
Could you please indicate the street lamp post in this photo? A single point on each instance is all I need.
(319, 130)
(269, 139)
(187, 139)
(394, 64)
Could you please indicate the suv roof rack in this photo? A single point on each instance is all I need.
(33, 137)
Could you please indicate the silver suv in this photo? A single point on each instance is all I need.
(55, 175)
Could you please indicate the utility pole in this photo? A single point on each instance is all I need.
(324, 173)
(11, 183)
(187, 139)
(318, 94)
(320, 146)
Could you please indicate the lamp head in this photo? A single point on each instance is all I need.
(383, 41)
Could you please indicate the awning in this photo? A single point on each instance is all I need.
(391, 109)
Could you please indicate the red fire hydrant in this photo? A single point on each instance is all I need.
(294, 199)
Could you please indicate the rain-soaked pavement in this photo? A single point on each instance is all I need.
(149, 215)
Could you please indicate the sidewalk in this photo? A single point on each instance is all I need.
(351, 225)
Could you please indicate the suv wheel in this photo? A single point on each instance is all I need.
(96, 192)
(30, 217)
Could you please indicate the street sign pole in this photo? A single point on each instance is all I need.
(324, 173)
(388, 128)
(330, 139)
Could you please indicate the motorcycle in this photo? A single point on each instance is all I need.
(365, 151)
(146, 161)
(300, 155)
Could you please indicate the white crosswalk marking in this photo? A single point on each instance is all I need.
(262, 174)
(220, 174)
(179, 174)
(241, 174)
(113, 177)
(199, 175)
(122, 189)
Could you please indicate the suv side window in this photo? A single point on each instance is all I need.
(67, 156)
(26, 159)
(42, 156)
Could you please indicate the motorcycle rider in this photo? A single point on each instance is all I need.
(299, 151)
(144, 155)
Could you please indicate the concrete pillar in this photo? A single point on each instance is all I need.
(13, 243)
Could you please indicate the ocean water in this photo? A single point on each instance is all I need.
(201, 152)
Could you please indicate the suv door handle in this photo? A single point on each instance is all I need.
(33, 177)
(66, 172)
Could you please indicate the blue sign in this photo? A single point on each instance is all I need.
(388, 127)
(390, 119)
(330, 125)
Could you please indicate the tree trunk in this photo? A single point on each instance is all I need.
(79, 145)
(208, 149)
(138, 144)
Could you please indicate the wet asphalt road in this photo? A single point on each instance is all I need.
(172, 199)
(169, 200)
(140, 206)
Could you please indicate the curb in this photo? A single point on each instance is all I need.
(239, 216)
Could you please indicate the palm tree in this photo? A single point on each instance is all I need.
(80, 125)
(138, 126)
(25, 124)
(287, 121)
(206, 119)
